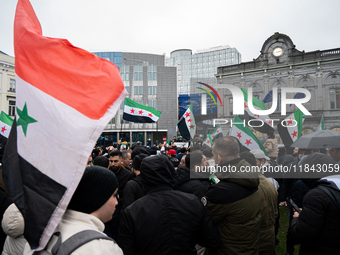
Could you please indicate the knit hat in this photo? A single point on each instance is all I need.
(94, 189)
(138, 160)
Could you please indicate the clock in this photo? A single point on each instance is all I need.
(277, 52)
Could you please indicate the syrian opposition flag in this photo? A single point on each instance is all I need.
(207, 142)
(248, 115)
(322, 124)
(247, 139)
(65, 96)
(187, 124)
(217, 132)
(135, 112)
(5, 124)
(291, 130)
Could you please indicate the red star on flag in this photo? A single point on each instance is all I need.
(140, 112)
(208, 141)
(132, 111)
(3, 129)
(239, 135)
(150, 115)
(290, 121)
(191, 126)
(248, 142)
(270, 122)
(257, 115)
(216, 131)
(187, 114)
(294, 134)
(189, 120)
(245, 105)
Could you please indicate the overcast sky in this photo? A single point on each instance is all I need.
(155, 26)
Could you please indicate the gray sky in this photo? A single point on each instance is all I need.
(154, 26)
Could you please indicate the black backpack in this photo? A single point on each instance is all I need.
(331, 190)
(73, 243)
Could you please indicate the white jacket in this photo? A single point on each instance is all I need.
(13, 225)
(73, 222)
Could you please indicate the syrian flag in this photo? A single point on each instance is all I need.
(5, 124)
(321, 125)
(60, 113)
(187, 124)
(217, 132)
(248, 115)
(208, 142)
(291, 130)
(135, 112)
(248, 141)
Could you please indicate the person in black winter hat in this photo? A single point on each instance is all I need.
(164, 221)
(92, 204)
(317, 227)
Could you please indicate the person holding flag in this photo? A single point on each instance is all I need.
(187, 124)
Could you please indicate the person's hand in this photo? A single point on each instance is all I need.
(296, 214)
(283, 203)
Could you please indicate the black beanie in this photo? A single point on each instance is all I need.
(94, 189)
(138, 160)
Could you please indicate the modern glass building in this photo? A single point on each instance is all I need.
(200, 66)
(149, 82)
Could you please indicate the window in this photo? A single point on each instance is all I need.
(12, 85)
(138, 73)
(138, 90)
(152, 90)
(278, 106)
(11, 108)
(152, 103)
(152, 73)
(334, 96)
(230, 106)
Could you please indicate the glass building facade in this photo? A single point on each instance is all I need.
(200, 66)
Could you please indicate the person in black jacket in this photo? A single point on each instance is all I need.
(165, 221)
(134, 188)
(317, 227)
(186, 181)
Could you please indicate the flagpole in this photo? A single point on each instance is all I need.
(171, 134)
(157, 132)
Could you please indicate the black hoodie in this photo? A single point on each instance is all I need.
(165, 221)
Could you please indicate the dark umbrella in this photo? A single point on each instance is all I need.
(319, 139)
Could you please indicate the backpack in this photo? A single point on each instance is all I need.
(73, 243)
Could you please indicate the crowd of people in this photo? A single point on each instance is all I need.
(155, 201)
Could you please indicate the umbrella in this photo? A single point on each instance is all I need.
(319, 139)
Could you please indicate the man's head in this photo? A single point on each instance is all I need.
(183, 160)
(137, 160)
(196, 137)
(89, 161)
(115, 161)
(334, 153)
(126, 157)
(96, 193)
(193, 160)
(101, 161)
(296, 151)
(172, 152)
(303, 152)
(225, 149)
(260, 157)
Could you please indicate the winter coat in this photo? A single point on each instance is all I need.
(188, 185)
(269, 213)
(164, 221)
(74, 222)
(317, 228)
(234, 206)
(271, 147)
(13, 225)
(132, 191)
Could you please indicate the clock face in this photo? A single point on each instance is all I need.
(277, 52)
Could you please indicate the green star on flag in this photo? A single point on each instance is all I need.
(24, 119)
